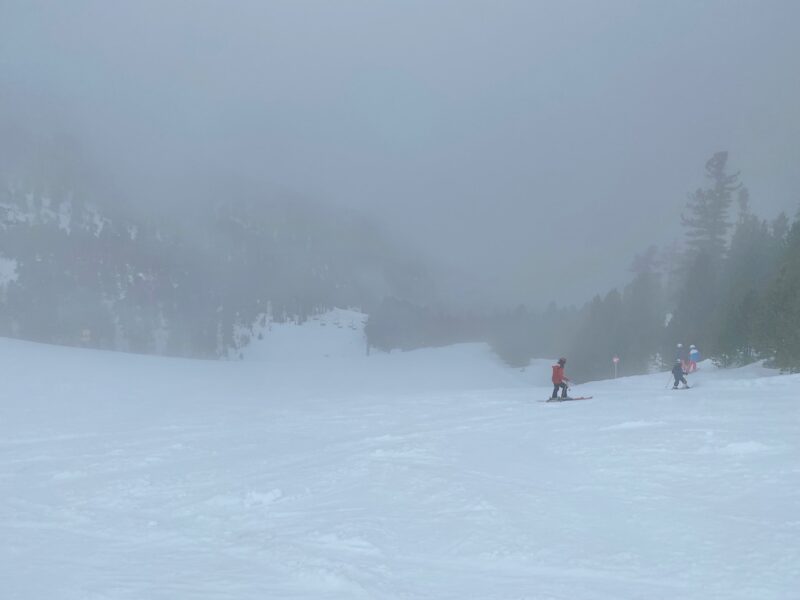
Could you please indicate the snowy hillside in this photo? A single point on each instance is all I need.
(78, 269)
(431, 474)
(336, 334)
(329, 353)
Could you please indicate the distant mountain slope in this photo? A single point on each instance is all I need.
(81, 269)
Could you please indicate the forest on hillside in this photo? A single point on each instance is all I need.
(80, 266)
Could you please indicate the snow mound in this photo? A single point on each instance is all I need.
(329, 351)
(742, 448)
(338, 333)
(634, 425)
(8, 271)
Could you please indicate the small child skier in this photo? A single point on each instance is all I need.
(679, 374)
(559, 379)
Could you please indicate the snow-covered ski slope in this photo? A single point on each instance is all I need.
(430, 474)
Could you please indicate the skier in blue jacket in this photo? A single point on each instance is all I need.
(694, 358)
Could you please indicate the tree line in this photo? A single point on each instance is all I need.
(732, 288)
(78, 270)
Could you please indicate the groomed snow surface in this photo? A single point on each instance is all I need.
(301, 472)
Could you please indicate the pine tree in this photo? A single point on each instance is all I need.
(707, 229)
(707, 224)
(779, 334)
(750, 264)
(599, 337)
(643, 314)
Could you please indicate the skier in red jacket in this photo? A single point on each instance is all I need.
(559, 379)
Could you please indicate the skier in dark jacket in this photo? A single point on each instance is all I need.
(679, 375)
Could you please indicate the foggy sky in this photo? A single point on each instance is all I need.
(533, 146)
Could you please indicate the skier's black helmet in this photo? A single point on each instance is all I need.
(562, 360)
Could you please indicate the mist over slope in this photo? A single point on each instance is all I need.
(492, 147)
(282, 285)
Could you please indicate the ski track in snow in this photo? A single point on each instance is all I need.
(129, 477)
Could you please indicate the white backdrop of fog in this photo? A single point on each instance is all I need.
(534, 146)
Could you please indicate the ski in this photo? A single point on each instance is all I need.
(567, 399)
